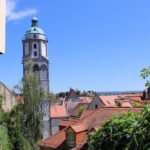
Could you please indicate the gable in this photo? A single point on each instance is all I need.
(70, 130)
(96, 102)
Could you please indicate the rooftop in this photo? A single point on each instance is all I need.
(58, 111)
(34, 29)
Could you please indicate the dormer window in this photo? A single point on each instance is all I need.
(96, 106)
(71, 139)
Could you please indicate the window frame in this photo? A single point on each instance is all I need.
(71, 139)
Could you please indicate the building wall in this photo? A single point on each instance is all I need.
(46, 131)
(81, 137)
(2, 25)
(96, 101)
(54, 124)
(9, 99)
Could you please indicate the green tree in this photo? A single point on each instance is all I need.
(115, 134)
(4, 138)
(81, 109)
(126, 132)
(51, 97)
(33, 94)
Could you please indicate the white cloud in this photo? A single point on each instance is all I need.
(13, 15)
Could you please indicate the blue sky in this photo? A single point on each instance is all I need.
(96, 45)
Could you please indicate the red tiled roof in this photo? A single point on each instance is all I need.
(20, 99)
(98, 117)
(86, 99)
(90, 119)
(131, 97)
(54, 141)
(61, 99)
(109, 100)
(68, 122)
(126, 104)
(58, 111)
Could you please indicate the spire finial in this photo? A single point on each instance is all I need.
(34, 22)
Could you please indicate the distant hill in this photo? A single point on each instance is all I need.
(119, 92)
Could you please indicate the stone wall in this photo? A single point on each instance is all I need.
(9, 100)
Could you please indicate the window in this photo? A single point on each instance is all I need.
(35, 46)
(96, 106)
(71, 139)
(35, 53)
(36, 68)
(34, 35)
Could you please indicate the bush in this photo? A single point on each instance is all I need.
(115, 133)
(4, 138)
(124, 132)
(81, 109)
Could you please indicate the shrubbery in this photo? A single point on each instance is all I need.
(124, 132)
(4, 138)
(11, 136)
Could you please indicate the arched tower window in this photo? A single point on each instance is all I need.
(36, 68)
(43, 68)
(44, 72)
(35, 46)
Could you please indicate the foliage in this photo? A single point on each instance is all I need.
(115, 133)
(32, 116)
(62, 94)
(11, 120)
(79, 93)
(11, 137)
(51, 97)
(145, 73)
(84, 94)
(81, 109)
(1, 100)
(4, 138)
(126, 132)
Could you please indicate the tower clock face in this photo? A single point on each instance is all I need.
(44, 50)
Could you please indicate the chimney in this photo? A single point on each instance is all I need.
(144, 95)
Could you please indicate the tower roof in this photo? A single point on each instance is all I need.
(34, 29)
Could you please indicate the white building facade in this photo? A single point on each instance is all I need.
(35, 48)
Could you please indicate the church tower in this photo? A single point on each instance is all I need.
(35, 48)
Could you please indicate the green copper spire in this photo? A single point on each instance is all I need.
(34, 27)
